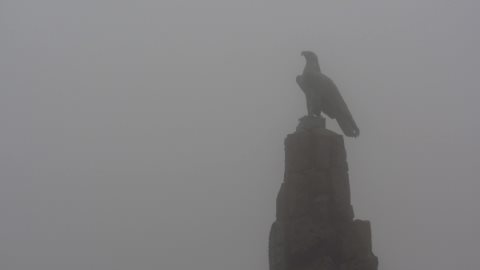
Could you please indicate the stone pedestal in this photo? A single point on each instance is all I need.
(315, 227)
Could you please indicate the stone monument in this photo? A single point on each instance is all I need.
(315, 227)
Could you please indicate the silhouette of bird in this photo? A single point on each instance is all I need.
(323, 96)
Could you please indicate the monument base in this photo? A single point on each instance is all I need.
(315, 227)
(308, 122)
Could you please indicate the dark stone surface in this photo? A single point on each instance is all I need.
(309, 122)
(298, 152)
(293, 200)
(315, 228)
(276, 247)
(322, 150)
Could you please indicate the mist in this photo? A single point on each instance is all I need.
(149, 134)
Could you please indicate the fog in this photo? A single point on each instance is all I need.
(149, 134)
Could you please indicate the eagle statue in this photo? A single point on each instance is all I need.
(323, 96)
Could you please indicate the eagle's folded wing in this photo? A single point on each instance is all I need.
(334, 106)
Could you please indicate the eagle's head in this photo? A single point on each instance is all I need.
(312, 60)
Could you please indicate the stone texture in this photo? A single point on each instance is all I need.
(298, 152)
(315, 227)
(293, 200)
(276, 247)
(308, 122)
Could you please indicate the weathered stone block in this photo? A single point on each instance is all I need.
(276, 247)
(323, 145)
(303, 234)
(340, 186)
(321, 208)
(319, 181)
(299, 154)
(342, 213)
(363, 233)
(293, 200)
(339, 155)
(356, 242)
(300, 178)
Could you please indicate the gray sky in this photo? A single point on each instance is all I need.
(149, 134)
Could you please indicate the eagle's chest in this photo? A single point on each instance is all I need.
(314, 86)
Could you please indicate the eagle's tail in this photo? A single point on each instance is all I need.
(348, 126)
